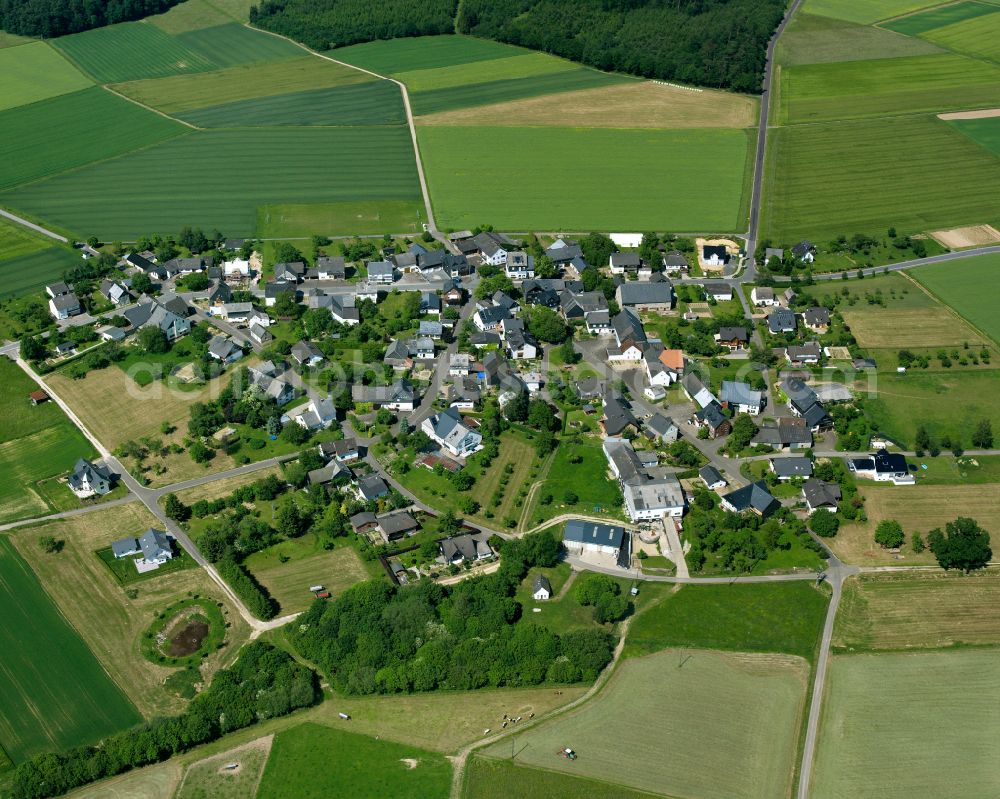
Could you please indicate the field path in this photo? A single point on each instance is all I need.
(37, 228)
(107, 88)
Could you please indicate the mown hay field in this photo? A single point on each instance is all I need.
(606, 179)
(911, 85)
(210, 779)
(918, 610)
(874, 326)
(189, 16)
(220, 177)
(969, 287)
(358, 217)
(65, 132)
(933, 170)
(90, 597)
(179, 93)
(910, 726)
(685, 703)
(54, 693)
(376, 102)
(35, 72)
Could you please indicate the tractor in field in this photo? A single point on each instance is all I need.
(568, 753)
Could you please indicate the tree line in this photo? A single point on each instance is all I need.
(719, 43)
(49, 18)
(379, 638)
(264, 683)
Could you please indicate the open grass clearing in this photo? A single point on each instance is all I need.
(55, 694)
(609, 179)
(629, 105)
(392, 56)
(26, 274)
(902, 726)
(939, 17)
(129, 51)
(878, 88)
(369, 217)
(308, 564)
(61, 133)
(695, 701)
(375, 102)
(969, 286)
(812, 39)
(867, 12)
(213, 778)
(762, 617)
(930, 193)
(874, 326)
(491, 779)
(918, 509)
(109, 620)
(235, 170)
(186, 92)
(35, 72)
(918, 610)
(311, 761)
(589, 480)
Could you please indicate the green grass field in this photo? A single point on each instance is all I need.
(35, 72)
(220, 177)
(209, 778)
(968, 287)
(314, 762)
(976, 37)
(491, 779)
(129, 51)
(985, 132)
(179, 93)
(763, 617)
(65, 132)
(939, 17)
(392, 56)
(376, 102)
(602, 495)
(25, 274)
(507, 67)
(17, 240)
(930, 193)
(908, 726)
(190, 16)
(866, 12)
(811, 39)
(608, 179)
(855, 89)
(54, 693)
(231, 44)
(653, 725)
(36, 442)
(351, 218)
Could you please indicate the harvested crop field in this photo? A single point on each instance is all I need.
(972, 236)
(54, 693)
(909, 726)
(633, 105)
(887, 328)
(905, 611)
(682, 702)
(918, 509)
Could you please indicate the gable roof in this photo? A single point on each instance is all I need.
(635, 293)
(584, 532)
(737, 393)
(820, 494)
(794, 466)
(754, 496)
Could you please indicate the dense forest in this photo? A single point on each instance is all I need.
(322, 24)
(719, 43)
(263, 683)
(49, 18)
(378, 638)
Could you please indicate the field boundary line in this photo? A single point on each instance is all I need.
(431, 223)
(163, 114)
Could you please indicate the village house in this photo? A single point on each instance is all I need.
(606, 541)
(883, 467)
(154, 546)
(371, 487)
(448, 430)
(115, 292)
(292, 272)
(344, 450)
(787, 468)
(149, 313)
(732, 338)
(492, 247)
(331, 268)
(741, 397)
(806, 355)
(805, 251)
(714, 255)
(332, 473)
(305, 353)
(381, 273)
(654, 297)
(662, 428)
(821, 495)
(459, 364)
(467, 547)
(541, 589)
(276, 288)
(781, 320)
(763, 296)
(624, 263)
(783, 433)
(714, 420)
(711, 477)
(317, 414)
(395, 525)
(63, 303)
(646, 497)
(753, 498)
(519, 265)
(224, 350)
(720, 292)
(265, 377)
(696, 391)
(630, 338)
(617, 416)
(816, 319)
(400, 396)
(89, 479)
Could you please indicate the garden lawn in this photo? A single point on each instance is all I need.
(968, 286)
(308, 564)
(61, 133)
(315, 762)
(939, 17)
(54, 693)
(187, 92)
(354, 218)
(35, 72)
(762, 617)
(27, 274)
(906, 611)
(901, 726)
(235, 171)
(933, 169)
(854, 89)
(369, 103)
(609, 179)
(597, 494)
(684, 702)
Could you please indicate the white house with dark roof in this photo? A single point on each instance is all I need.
(224, 350)
(90, 479)
(449, 431)
(154, 546)
(741, 397)
(519, 265)
(586, 538)
(381, 273)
